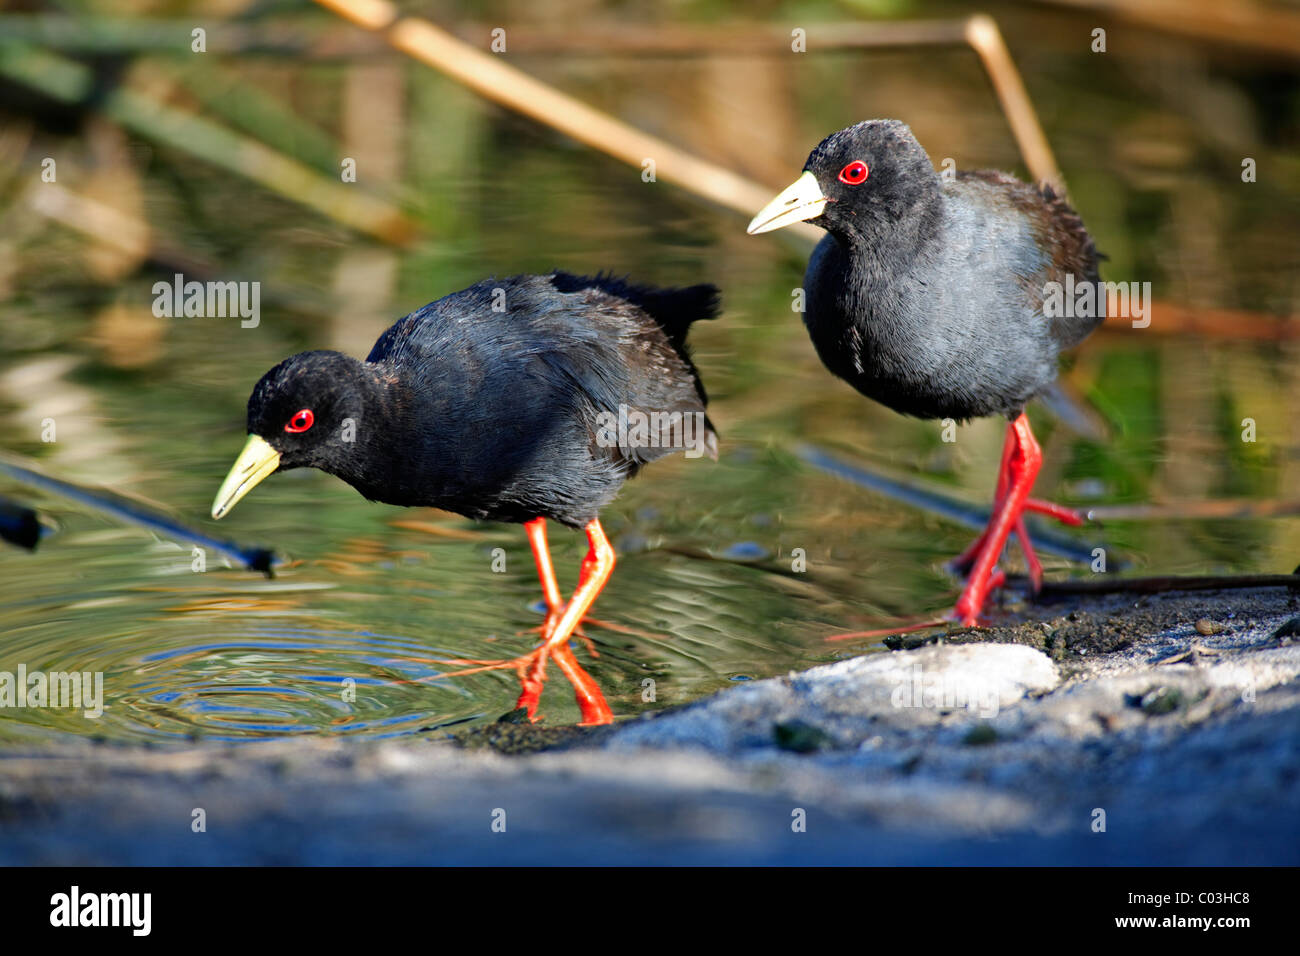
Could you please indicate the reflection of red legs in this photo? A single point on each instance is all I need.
(561, 622)
(536, 676)
(1022, 466)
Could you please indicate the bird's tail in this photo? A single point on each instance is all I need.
(676, 309)
(673, 309)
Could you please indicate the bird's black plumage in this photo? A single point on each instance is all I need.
(927, 293)
(488, 402)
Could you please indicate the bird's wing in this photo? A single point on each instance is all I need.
(1061, 243)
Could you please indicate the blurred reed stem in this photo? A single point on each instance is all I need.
(71, 82)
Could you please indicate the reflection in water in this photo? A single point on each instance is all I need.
(348, 638)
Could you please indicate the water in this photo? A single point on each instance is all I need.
(353, 633)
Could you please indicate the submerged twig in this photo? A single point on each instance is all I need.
(1219, 509)
(255, 559)
(940, 503)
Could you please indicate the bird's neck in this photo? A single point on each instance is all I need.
(867, 301)
(367, 448)
(398, 456)
(892, 232)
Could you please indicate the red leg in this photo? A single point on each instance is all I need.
(1033, 565)
(963, 562)
(542, 555)
(536, 676)
(1069, 516)
(1021, 460)
(551, 591)
(1023, 466)
(596, 569)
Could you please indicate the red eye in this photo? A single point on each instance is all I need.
(854, 174)
(301, 421)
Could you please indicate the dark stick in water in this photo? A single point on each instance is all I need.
(1160, 585)
(255, 559)
(936, 502)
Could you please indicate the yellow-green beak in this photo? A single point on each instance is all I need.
(255, 462)
(801, 200)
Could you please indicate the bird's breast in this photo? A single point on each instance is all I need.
(919, 342)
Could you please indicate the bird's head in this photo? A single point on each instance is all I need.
(855, 179)
(305, 412)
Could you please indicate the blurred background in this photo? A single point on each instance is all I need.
(126, 156)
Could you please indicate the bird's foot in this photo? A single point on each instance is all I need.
(544, 630)
(963, 563)
(591, 701)
(1022, 458)
(966, 613)
(531, 671)
(523, 662)
(474, 665)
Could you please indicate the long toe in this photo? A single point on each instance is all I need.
(1068, 516)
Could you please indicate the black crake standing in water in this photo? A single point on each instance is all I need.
(927, 296)
(500, 402)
